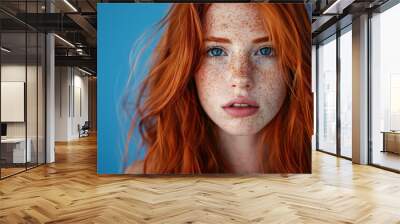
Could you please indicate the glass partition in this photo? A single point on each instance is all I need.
(32, 95)
(22, 77)
(327, 96)
(32, 90)
(41, 107)
(13, 105)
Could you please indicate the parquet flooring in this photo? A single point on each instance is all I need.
(70, 191)
(10, 171)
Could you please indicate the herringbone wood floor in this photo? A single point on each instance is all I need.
(70, 191)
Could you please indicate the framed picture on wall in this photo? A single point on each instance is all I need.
(204, 88)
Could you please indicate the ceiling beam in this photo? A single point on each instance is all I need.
(82, 61)
(86, 26)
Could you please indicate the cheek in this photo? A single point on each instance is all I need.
(270, 85)
(209, 82)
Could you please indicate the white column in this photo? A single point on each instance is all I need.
(50, 93)
(360, 90)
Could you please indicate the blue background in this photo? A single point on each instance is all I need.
(119, 26)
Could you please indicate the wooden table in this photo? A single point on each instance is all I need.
(391, 141)
(13, 150)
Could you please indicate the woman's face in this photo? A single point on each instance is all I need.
(239, 83)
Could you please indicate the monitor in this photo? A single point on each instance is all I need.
(3, 129)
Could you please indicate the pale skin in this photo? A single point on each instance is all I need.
(239, 65)
(243, 71)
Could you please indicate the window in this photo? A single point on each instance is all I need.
(346, 93)
(385, 89)
(327, 96)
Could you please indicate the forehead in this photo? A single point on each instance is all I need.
(232, 19)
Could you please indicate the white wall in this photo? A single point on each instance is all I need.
(71, 94)
(13, 99)
(62, 81)
(80, 109)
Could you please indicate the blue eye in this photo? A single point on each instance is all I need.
(265, 51)
(215, 52)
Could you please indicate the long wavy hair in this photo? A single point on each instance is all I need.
(178, 135)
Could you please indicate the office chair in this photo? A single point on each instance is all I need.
(84, 130)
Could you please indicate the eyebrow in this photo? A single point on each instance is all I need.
(218, 39)
(225, 40)
(261, 39)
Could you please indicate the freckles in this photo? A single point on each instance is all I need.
(241, 65)
(252, 20)
(217, 70)
(271, 88)
(273, 83)
(225, 26)
(244, 20)
(241, 23)
(207, 83)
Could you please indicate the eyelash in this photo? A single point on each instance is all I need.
(223, 53)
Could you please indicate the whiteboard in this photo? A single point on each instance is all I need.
(12, 101)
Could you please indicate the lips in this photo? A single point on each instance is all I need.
(241, 107)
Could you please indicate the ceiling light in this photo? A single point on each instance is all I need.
(84, 71)
(329, 9)
(5, 50)
(65, 41)
(70, 5)
(338, 6)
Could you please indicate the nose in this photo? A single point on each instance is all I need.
(241, 70)
(241, 82)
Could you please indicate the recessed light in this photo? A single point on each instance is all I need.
(84, 71)
(70, 5)
(5, 50)
(65, 41)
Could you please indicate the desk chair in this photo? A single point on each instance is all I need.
(84, 130)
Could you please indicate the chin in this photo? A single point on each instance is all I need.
(240, 129)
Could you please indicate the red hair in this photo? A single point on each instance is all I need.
(177, 133)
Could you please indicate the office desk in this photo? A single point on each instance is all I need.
(15, 148)
(391, 141)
